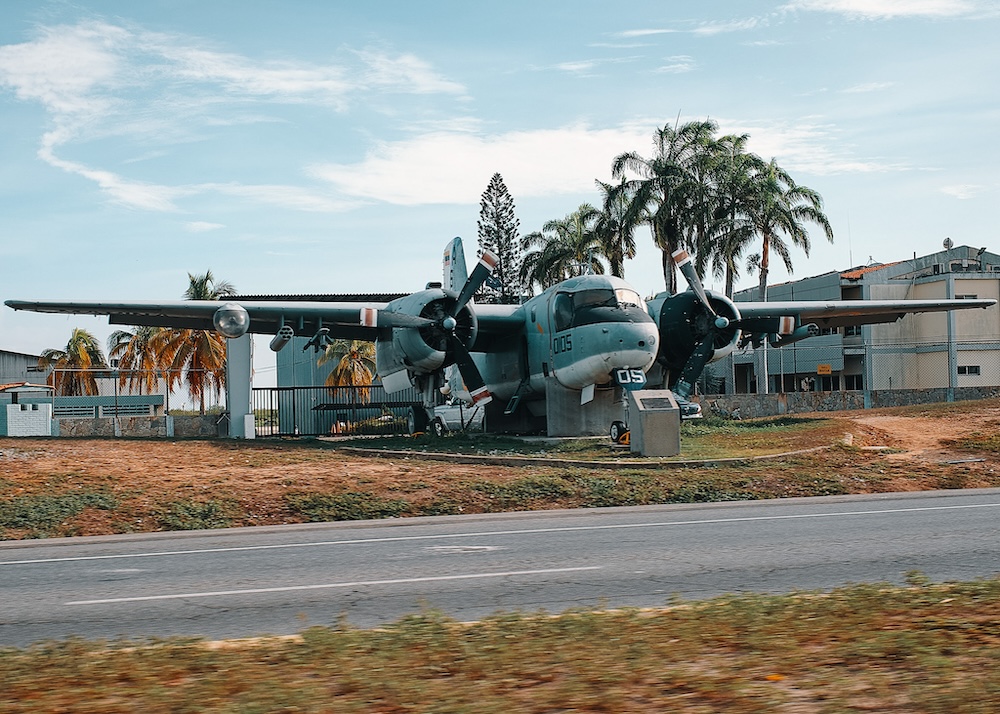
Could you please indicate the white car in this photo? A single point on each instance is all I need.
(457, 416)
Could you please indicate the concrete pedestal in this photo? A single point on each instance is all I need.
(654, 423)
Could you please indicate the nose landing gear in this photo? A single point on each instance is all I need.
(619, 433)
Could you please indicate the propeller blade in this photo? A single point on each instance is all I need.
(470, 373)
(484, 268)
(684, 264)
(694, 367)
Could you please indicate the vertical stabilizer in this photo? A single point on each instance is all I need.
(455, 271)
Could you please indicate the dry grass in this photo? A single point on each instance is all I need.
(927, 648)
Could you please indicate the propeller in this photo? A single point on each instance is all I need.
(466, 367)
(703, 351)
(438, 324)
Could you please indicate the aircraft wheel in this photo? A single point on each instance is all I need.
(618, 429)
(438, 427)
(416, 420)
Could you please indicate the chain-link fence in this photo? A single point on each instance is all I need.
(826, 365)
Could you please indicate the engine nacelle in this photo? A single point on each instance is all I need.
(424, 350)
(231, 320)
(684, 322)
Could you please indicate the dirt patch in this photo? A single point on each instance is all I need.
(100, 486)
(928, 436)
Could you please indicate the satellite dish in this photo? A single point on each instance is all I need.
(947, 244)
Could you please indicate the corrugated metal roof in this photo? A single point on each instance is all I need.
(856, 273)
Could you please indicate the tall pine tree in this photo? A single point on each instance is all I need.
(498, 231)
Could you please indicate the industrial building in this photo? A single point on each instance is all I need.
(921, 351)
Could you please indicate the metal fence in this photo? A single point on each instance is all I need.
(325, 411)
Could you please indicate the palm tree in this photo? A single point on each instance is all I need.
(729, 233)
(777, 209)
(197, 356)
(667, 186)
(564, 248)
(140, 357)
(615, 227)
(355, 365)
(76, 366)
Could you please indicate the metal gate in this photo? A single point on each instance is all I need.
(326, 411)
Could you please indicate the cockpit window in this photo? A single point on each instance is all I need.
(628, 297)
(594, 298)
(585, 307)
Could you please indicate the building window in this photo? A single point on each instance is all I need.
(972, 369)
(854, 382)
(967, 296)
(852, 331)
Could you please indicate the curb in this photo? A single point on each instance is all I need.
(521, 461)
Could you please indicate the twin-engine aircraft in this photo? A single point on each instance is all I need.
(558, 362)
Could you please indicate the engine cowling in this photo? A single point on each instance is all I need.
(684, 322)
(424, 350)
(231, 320)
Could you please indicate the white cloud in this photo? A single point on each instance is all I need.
(291, 197)
(887, 9)
(717, 28)
(703, 28)
(580, 66)
(963, 191)
(454, 168)
(805, 145)
(678, 64)
(202, 226)
(98, 80)
(867, 87)
(406, 73)
(645, 32)
(447, 167)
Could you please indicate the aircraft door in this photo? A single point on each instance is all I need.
(563, 340)
(539, 347)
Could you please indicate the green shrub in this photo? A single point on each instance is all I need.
(347, 506)
(196, 515)
(42, 514)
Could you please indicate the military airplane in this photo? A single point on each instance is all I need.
(558, 362)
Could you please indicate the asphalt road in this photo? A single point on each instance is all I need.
(279, 580)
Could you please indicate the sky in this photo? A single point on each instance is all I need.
(299, 146)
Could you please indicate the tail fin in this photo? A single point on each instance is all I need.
(456, 273)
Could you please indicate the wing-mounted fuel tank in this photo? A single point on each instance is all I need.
(231, 320)
(685, 323)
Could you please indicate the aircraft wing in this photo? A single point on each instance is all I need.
(305, 318)
(841, 313)
(344, 319)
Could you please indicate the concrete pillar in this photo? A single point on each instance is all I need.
(238, 382)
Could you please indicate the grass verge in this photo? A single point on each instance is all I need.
(926, 647)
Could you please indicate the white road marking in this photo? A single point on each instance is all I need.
(327, 586)
(483, 534)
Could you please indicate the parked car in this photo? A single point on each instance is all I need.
(457, 416)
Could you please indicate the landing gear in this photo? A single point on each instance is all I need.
(416, 420)
(619, 432)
